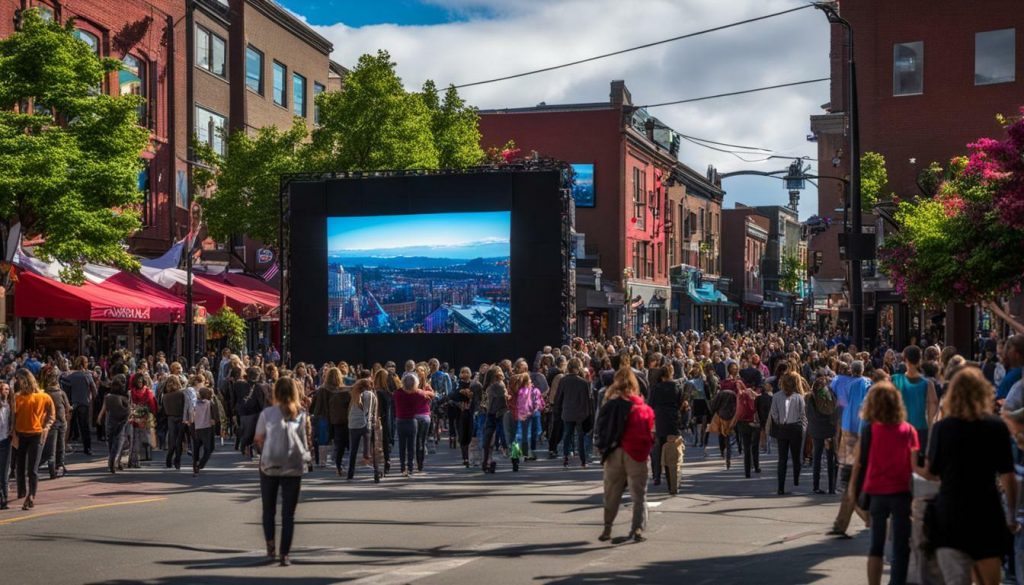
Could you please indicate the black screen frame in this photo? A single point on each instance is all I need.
(535, 199)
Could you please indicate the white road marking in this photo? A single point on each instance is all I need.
(426, 568)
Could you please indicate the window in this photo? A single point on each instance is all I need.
(660, 258)
(639, 197)
(210, 51)
(132, 81)
(210, 128)
(636, 259)
(279, 89)
(143, 184)
(318, 88)
(649, 259)
(254, 69)
(299, 95)
(702, 223)
(908, 68)
(46, 13)
(994, 56)
(88, 38)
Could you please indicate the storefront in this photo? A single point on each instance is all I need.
(698, 304)
(648, 307)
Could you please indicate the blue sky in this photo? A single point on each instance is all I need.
(368, 12)
(422, 232)
(460, 41)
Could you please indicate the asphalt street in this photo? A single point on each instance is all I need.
(448, 525)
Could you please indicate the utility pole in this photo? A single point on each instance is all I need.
(854, 229)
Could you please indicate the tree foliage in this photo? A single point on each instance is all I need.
(964, 244)
(71, 165)
(374, 124)
(791, 274)
(248, 181)
(873, 179)
(227, 324)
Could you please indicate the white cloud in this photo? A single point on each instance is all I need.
(524, 35)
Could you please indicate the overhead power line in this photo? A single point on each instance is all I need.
(725, 143)
(731, 93)
(636, 48)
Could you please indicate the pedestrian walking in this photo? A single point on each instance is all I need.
(338, 400)
(114, 416)
(788, 425)
(885, 458)
(6, 437)
(625, 436)
(970, 454)
(56, 443)
(410, 402)
(281, 435)
(34, 414)
(362, 409)
(575, 402)
(723, 410)
(822, 416)
(202, 418)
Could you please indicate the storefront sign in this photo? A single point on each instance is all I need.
(125, 313)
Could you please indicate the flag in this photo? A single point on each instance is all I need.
(270, 272)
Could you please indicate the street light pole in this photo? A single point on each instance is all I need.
(854, 231)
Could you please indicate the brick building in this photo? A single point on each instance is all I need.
(784, 240)
(745, 233)
(931, 77)
(622, 262)
(146, 36)
(253, 64)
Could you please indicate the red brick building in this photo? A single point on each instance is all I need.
(623, 266)
(746, 232)
(931, 77)
(147, 36)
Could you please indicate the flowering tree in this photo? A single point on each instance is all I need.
(964, 244)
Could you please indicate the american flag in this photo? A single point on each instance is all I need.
(271, 272)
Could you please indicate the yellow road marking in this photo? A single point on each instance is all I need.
(80, 509)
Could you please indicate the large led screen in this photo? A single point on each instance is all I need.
(422, 273)
(583, 184)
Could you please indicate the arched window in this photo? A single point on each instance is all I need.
(88, 38)
(132, 81)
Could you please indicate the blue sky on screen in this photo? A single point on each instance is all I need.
(454, 235)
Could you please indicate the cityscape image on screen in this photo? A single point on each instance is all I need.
(422, 273)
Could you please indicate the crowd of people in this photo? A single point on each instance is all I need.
(870, 425)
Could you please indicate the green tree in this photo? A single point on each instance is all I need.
(248, 181)
(69, 154)
(790, 275)
(226, 324)
(374, 124)
(454, 126)
(873, 179)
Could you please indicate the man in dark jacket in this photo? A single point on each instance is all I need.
(576, 403)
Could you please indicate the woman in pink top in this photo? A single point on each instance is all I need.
(885, 458)
(521, 403)
(412, 420)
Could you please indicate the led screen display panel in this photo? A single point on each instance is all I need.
(583, 184)
(419, 273)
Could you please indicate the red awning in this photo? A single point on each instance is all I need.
(124, 297)
(214, 292)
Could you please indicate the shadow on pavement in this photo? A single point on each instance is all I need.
(792, 565)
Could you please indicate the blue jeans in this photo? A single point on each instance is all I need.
(535, 425)
(115, 441)
(574, 428)
(5, 467)
(406, 440)
(422, 431)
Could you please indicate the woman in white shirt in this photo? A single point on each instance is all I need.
(282, 433)
(362, 409)
(201, 417)
(788, 424)
(6, 432)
